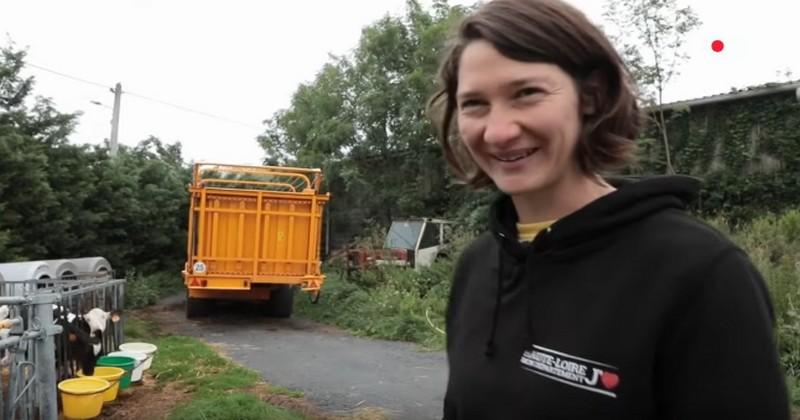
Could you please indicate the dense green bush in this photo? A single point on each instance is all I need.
(732, 195)
(145, 290)
(773, 243)
(390, 302)
(401, 304)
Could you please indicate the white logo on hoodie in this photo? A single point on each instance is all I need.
(572, 370)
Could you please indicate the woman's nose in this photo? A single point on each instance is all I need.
(501, 128)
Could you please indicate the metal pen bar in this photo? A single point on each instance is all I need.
(45, 357)
(9, 342)
(28, 335)
(87, 289)
(14, 300)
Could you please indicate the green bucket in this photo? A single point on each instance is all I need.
(126, 363)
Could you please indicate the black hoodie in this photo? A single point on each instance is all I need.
(625, 309)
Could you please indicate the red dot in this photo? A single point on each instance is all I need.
(717, 46)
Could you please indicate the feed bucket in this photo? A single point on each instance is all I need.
(138, 368)
(82, 398)
(146, 348)
(126, 363)
(110, 374)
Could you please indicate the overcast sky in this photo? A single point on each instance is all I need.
(241, 60)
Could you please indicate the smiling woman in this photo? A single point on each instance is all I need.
(499, 100)
(608, 301)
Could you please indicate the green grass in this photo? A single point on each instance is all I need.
(389, 303)
(220, 406)
(196, 364)
(219, 387)
(279, 390)
(136, 329)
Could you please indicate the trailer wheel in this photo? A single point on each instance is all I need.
(281, 302)
(196, 307)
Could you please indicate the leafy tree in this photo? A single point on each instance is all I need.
(318, 126)
(62, 200)
(362, 119)
(28, 220)
(651, 35)
(25, 197)
(71, 182)
(139, 207)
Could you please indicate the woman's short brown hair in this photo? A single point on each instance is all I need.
(548, 31)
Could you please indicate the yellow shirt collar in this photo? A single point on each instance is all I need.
(528, 231)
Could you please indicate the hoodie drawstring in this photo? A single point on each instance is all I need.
(518, 272)
(529, 312)
(489, 351)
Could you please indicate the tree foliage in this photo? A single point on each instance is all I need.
(62, 200)
(362, 119)
(650, 35)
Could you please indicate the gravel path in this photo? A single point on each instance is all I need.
(336, 371)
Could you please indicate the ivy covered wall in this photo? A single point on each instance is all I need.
(746, 149)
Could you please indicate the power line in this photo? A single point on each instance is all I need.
(147, 98)
(183, 108)
(68, 76)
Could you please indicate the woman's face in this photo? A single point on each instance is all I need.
(520, 121)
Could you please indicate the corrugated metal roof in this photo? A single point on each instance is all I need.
(765, 89)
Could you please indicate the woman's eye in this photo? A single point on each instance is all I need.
(530, 91)
(471, 103)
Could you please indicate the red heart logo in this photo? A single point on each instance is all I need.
(610, 380)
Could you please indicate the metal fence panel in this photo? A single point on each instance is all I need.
(37, 349)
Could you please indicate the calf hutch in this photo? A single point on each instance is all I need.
(57, 319)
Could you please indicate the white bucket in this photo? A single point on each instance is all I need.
(138, 368)
(146, 348)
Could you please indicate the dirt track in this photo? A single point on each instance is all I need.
(337, 372)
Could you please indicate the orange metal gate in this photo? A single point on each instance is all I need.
(254, 225)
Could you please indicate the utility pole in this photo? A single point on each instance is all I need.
(115, 119)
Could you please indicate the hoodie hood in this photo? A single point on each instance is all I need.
(635, 199)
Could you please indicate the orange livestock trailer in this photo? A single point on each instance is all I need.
(254, 234)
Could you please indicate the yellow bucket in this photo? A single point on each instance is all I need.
(83, 397)
(112, 375)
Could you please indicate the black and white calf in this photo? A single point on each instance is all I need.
(81, 346)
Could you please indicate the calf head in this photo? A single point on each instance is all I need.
(83, 347)
(98, 319)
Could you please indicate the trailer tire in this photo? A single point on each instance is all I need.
(196, 307)
(281, 302)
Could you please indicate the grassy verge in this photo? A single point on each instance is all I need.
(219, 388)
(388, 303)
